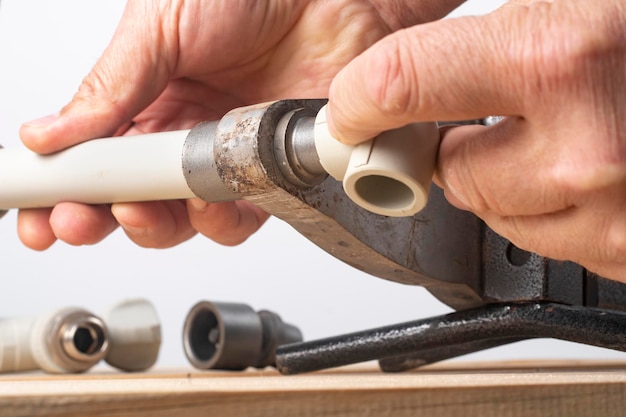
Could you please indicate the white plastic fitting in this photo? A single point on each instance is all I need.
(70, 339)
(15, 352)
(134, 335)
(389, 174)
(64, 340)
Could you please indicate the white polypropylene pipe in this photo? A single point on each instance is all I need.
(110, 170)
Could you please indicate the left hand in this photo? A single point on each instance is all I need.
(174, 63)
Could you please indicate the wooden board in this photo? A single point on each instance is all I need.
(465, 390)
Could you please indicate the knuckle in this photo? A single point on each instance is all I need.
(567, 47)
(476, 199)
(92, 85)
(521, 233)
(94, 93)
(587, 169)
(220, 222)
(471, 194)
(467, 182)
(394, 88)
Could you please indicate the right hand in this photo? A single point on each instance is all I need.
(551, 176)
(172, 64)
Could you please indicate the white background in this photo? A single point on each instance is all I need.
(46, 47)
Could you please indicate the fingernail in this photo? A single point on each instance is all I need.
(43, 121)
(134, 230)
(198, 204)
(123, 211)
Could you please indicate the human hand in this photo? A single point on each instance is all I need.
(172, 64)
(551, 177)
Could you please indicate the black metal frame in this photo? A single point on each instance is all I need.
(501, 293)
(408, 345)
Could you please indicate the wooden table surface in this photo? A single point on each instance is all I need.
(505, 389)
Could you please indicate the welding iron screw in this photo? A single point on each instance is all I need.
(232, 336)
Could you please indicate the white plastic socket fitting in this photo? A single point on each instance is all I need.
(388, 175)
(64, 340)
(71, 339)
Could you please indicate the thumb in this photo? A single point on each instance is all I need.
(130, 74)
(452, 69)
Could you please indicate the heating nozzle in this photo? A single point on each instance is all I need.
(65, 340)
(232, 336)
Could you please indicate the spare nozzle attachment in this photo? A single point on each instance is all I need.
(232, 336)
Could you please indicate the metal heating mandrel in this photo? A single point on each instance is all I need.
(65, 340)
(232, 336)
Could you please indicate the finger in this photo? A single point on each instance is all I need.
(158, 224)
(130, 74)
(593, 235)
(226, 223)
(33, 228)
(508, 169)
(79, 224)
(452, 69)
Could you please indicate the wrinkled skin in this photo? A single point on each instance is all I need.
(551, 177)
(172, 64)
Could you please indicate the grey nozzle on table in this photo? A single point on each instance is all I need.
(232, 336)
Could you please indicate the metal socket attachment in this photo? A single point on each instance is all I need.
(232, 336)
